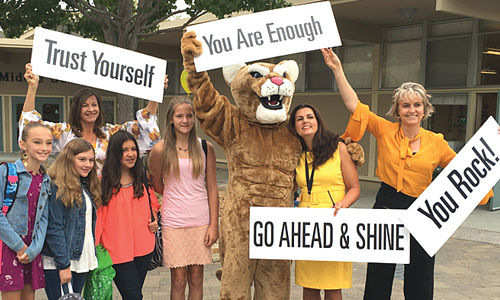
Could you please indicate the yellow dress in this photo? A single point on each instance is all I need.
(327, 275)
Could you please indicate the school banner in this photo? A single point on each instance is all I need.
(266, 34)
(458, 189)
(361, 235)
(69, 58)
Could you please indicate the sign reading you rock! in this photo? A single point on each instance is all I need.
(454, 194)
(266, 34)
(82, 61)
(362, 235)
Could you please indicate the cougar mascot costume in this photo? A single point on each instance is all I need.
(262, 155)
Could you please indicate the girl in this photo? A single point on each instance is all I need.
(125, 227)
(23, 228)
(324, 173)
(86, 120)
(186, 177)
(69, 251)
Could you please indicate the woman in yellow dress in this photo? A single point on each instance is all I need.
(324, 173)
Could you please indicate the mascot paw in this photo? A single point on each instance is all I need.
(218, 274)
(356, 151)
(190, 48)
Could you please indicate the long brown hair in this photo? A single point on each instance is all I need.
(325, 142)
(76, 107)
(63, 174)
(170, 160)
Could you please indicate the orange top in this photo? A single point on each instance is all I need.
(122, 225)
(397, 165)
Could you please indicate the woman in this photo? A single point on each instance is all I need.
(407, 156)
(124, 225)
(24, 225)
(86, 121)
(186, 177)
(324, 173)
(69, 250)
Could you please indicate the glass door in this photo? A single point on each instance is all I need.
(51, 109)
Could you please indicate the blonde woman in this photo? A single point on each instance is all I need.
(407, 155)
(185, 175)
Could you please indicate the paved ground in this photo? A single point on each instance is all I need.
(467, 267)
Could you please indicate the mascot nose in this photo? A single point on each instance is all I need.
(277, 80)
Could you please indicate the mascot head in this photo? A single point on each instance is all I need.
(263, 91)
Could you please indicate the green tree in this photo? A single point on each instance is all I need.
(121, 23)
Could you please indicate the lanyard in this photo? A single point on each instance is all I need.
(309, 180)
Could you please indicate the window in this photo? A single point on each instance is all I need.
(400, 63)
(450, 118)
(2, 124)
(490, 59)
(108, 109)
(447, 62)
(357, 62)
(451, 27)
(174, 70)
(51, 109)
(319, 76)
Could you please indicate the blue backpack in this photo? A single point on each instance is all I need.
(11, 187)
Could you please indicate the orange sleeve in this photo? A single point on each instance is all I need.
(486, 198)
(99, 225)
(363, 119)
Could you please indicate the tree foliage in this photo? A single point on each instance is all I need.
(117, 22)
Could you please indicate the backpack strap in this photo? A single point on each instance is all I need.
(11, 187)
(204, 146)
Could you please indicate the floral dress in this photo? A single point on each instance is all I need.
(14, 274)
(145, 130)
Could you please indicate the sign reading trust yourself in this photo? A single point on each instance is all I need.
(458, 189)
(266, 34)
(82, 61)
(361, 235)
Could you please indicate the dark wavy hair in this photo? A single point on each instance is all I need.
(325, 142)
(76, 107)
(111, 170)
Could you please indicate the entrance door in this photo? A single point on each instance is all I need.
(51, 109)
(488, 104)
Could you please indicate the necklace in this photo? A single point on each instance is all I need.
(182, 149)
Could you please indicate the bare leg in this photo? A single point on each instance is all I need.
(178, 283)
(333, 294)
(195, 281)
(12, 295)
(27, 293)
(311, 294)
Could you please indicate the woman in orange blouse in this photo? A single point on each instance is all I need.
(407, 156)
(124, 224)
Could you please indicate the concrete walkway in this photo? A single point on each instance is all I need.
(467, 266)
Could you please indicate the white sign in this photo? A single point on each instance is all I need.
(82, 61)
(458, 189)
(362, 235)
(266, 34)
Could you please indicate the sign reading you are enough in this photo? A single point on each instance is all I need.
(66, 57)
(266, 34)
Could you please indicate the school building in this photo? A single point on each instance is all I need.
(452, 47)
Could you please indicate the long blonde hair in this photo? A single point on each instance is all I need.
(63, 174)
(170, 160)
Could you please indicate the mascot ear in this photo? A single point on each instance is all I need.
(292, 69)
(230, 72)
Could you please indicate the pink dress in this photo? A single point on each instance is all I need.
(15, 274)
(185, 218)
